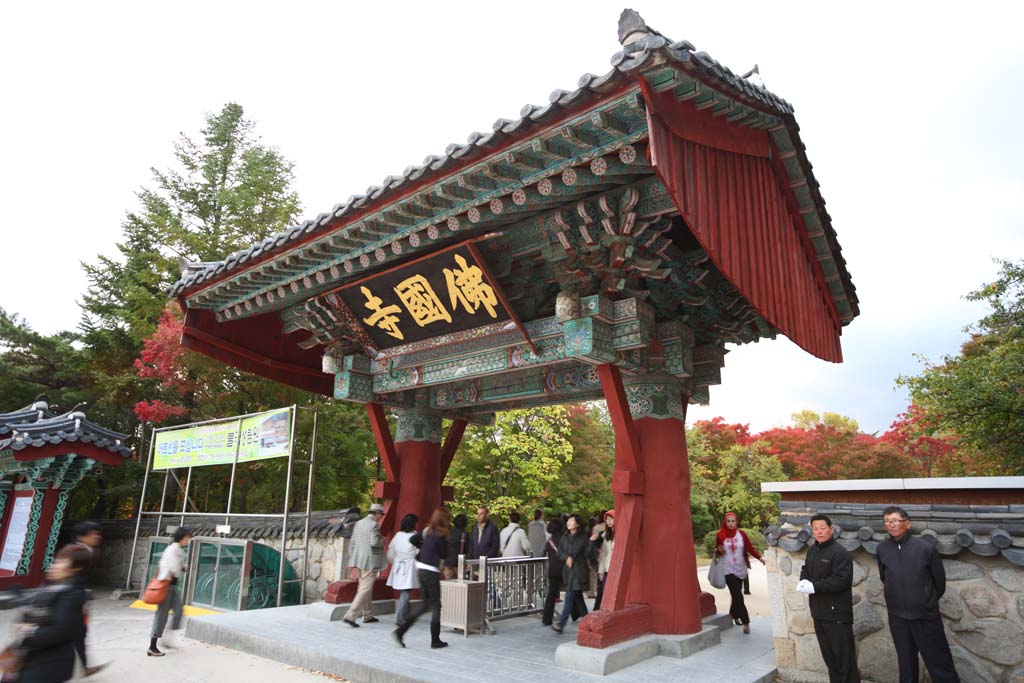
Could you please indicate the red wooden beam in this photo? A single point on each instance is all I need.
(627, 448)
(451, 444)
(628, 481)
(385, 444)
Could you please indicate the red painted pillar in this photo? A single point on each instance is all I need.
(666, 571)
(652, 581)
(418, 444)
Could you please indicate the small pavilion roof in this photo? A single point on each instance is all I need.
(34, 426)
(747, 103)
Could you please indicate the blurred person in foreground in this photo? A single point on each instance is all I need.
(56, 621)
(89, 537)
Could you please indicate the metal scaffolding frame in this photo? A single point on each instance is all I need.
(283, 516)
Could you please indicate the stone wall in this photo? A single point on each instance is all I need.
(328, 545)
(983, 608)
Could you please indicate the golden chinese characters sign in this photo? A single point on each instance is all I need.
(450, 291)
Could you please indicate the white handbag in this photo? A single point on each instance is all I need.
(716, 573)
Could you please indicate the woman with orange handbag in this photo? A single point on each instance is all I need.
(172, 566)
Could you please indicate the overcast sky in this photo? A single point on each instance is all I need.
(910, 115)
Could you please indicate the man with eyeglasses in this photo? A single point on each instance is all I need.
(915, 580)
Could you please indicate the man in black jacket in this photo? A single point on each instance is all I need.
(483, 539)
(827, 576)
(914, 581)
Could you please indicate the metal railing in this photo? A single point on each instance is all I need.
(515, 585)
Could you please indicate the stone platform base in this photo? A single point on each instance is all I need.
(608, 660)
(522, 652)
(325, 611)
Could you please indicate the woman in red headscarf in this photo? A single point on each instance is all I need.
(733, 547)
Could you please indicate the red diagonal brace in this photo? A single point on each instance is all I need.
(385, 444)
(628, 489)
(451, 444)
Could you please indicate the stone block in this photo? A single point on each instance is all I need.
(968, 667)
(1020, 606)
(785, 653)
(961, 571)
(951, 606)
(801, 623)
(786, 565)
(604, 661)
(874, 589)
(866, 620)
(1009, 578)
(808, 654)
(859, 573)
(876, 658)
(997, 640)
(324, 611)
(1016, 676)
(618, 656)
(983, 601)
(776, 599)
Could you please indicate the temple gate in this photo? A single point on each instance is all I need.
(43, 456)
(606, 245)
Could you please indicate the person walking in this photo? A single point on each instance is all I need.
(366, 560)
(572, 550)
(734, 548)
(171, 568)
(433, 545)
(89, 537)
(555, 565)
(402, 556)
(915, 580)
(456, 546)
(827, 577)
(602, 544)
(484, 538)
(536, 531)
(56, 620)
(514, 542)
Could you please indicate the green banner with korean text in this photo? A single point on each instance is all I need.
(255, 437)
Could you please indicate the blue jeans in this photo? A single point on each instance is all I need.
(571, 597)
(402, 609)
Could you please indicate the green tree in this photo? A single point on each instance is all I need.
(226, 191)
(737, 485)
(511, 465)
(585, 483)
(979, 394)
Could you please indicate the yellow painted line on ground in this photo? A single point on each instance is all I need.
(189, 610)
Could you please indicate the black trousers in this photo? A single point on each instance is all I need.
(838, 649)
(737, 608)
(600, 591)
(927, 637)
(430, 591)
(554, 590)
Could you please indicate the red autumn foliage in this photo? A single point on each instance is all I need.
(721, 435)
(162, 355)
(914, 435)
(157, 411)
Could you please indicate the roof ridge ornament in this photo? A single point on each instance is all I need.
(632, 27)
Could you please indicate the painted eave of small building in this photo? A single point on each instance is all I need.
(909, 484)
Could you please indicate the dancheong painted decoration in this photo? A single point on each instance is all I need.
(605, 245)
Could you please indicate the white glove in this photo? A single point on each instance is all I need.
(805, 586)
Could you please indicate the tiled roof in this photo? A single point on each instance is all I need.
(322, 524)
(985, 530)
(650, 49)
(35, 426)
